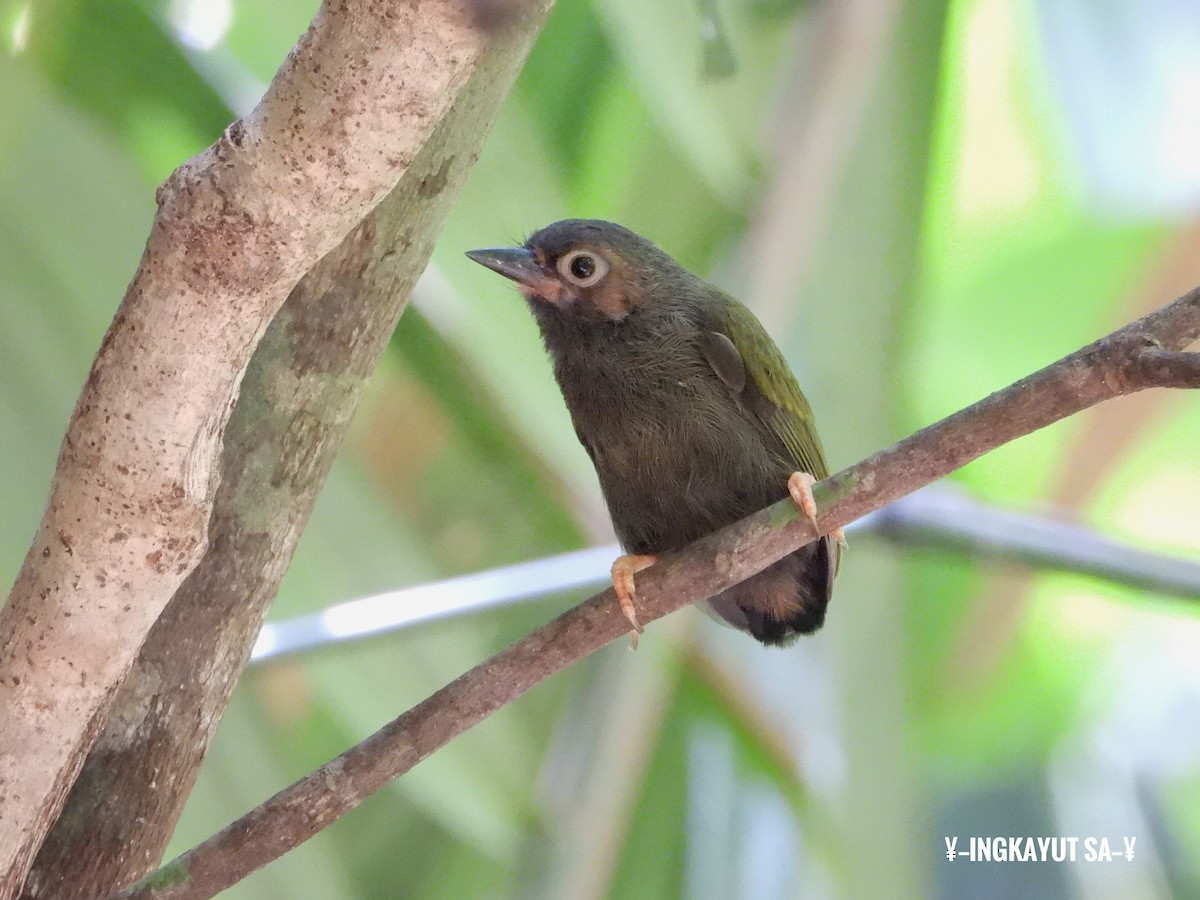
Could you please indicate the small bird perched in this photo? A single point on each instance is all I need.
(685, 405)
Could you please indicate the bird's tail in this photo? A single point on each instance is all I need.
(786, 600)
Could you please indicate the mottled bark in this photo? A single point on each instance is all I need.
(127, 526)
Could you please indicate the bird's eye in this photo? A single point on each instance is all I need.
(582, 268)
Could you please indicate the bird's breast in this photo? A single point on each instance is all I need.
(676, 456)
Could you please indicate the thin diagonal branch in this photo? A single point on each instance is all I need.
(941, 516)
(1111, 367)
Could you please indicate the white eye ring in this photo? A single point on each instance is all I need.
(583, 268)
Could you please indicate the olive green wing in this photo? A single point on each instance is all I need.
(745, 358)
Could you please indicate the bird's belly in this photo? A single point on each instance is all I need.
(665, 487)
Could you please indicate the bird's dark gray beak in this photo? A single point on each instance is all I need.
(516, 263)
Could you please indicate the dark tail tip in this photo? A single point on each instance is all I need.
(781, 632)
(816, 588)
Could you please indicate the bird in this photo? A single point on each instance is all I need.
(687, 408)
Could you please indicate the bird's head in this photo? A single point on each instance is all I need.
(586, 268)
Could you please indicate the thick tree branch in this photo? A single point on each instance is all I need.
(1127, 361)
(296, 402)
(236, 229)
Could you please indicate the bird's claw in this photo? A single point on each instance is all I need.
(799, 487)
(623, 570)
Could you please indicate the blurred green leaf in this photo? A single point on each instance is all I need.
(660, 46)
(75, 220)
(113, 60)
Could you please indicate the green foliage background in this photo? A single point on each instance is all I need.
(957, 234)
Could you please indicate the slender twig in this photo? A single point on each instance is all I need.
(948, 519)
(380, 614)
(1113, 366)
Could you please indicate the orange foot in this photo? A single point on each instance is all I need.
(623, 570)
(800, 488)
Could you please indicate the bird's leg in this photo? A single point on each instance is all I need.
(799, 486)
(623, 570)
